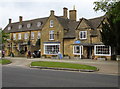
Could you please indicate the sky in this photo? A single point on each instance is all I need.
(32, 9)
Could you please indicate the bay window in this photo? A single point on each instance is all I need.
(51, 48)
(102, 50)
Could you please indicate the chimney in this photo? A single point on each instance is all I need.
(20, 18)
(52, 12)
(65, 12)
(72, 14)
(10, 20)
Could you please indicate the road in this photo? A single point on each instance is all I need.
(15, 76)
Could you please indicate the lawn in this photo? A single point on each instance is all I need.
(62, 65)
(4, 61)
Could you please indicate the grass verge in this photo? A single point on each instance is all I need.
(62, 65)
(4, 61)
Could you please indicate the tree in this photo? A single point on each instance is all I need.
(111, 30)
(3, 37)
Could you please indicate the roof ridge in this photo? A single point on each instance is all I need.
(29, 20)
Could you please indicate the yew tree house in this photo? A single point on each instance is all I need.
(73, 39)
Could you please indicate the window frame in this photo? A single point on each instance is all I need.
(25, 36)
(95, 50)
(14, 36)
(51, 33)
(32, 35)
(78, 53)
(20, 26)
(51, 23)
(82, 35)
(39, 24)
(51, 45)
(28, 25)
(19, 36)
(9, 28)
(39, 35)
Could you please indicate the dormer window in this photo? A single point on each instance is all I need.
(9, 28)
(39, 24)
(20, 26)
(28, 25)
(51, 23)
(83, 34)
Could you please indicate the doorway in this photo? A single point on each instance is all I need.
(89, 52)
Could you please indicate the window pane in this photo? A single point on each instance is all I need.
(102, 50)
(51, 49)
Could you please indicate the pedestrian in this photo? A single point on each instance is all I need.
(29, 54)
(60, 55)
(3, 53)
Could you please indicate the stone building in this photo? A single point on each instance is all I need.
(73, 39)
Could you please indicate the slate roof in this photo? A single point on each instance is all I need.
(68, 25)
(24, 24)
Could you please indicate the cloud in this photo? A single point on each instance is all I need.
(31, 9)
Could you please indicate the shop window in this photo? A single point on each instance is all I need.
(102, 50)
(51, 49)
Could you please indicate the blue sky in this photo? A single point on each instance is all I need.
(31, 9)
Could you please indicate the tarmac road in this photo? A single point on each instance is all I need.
(16, 76)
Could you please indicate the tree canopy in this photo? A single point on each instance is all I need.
(111, 30)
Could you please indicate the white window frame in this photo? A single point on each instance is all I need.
(83, 35)
(51, 45)
(9, 28)
(25, 36)
(51, 23)
(81, 47)
(39, 35)
(20, 26)
(39, 24)
(14, 36)
(19, 36)
(51, 33)
(32, 35)
(102, 54)
(28, 25)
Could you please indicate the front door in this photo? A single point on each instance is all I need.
(89, 52)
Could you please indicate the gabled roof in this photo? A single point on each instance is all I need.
(94, 22)
(68, 25)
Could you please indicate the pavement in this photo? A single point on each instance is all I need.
(105, 67)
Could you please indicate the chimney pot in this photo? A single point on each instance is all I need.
(10, 20)
(20, 18)
(65, 12)
(52, 12)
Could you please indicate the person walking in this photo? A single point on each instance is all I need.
(3, 53)
(29, 54)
